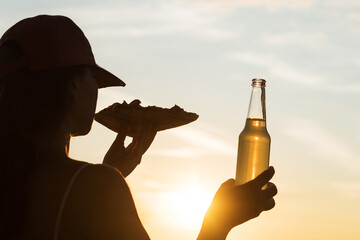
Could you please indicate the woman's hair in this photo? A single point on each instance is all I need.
(33, 107)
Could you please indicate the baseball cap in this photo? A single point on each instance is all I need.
(52, 42)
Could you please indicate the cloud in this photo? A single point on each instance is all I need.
(200, 143)
(323, 143)
(293, 38)
(286, 71)
(272, 5)
(343, 3)
(133, 21)
(350, 189)
(353, 16)
(203, 140)
(280, 69)
(179, 152)
(344, 88)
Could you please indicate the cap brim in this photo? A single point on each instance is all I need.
(106, 79)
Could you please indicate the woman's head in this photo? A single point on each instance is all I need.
(39, 110)
(51, 53)
(48, 92)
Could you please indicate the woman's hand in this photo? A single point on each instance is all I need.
(233, 205)
(125, 159)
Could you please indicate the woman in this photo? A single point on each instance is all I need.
(48, 92)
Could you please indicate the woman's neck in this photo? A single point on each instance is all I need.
(54, 151)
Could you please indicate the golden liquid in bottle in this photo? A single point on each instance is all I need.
(253, 151)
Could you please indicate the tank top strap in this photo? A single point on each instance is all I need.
(64, 199)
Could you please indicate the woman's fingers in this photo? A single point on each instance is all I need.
(132, 146)
(148, 139)
(264, 177)
(120, 137)
(144, 139)
(269, 204)
(119, 143)
(270, 191)
(268, 195)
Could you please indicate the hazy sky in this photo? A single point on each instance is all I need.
(202, 55)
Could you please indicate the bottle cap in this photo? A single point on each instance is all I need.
(258, 82)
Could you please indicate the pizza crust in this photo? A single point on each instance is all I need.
(135, 116)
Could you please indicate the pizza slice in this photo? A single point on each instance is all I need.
(134, 116)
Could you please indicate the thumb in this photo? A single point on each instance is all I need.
(120, 137)
(230, 183)
(119, 142)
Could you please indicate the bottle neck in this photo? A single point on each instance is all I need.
(257, 108)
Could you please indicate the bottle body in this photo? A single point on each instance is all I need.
(254, 141)
(253, 150)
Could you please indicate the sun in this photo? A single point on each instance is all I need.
(187, 205)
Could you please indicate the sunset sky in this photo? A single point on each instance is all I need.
(202, 55)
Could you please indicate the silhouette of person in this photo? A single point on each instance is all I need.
(48, 92)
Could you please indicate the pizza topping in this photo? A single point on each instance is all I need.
(177, 108)
(135, 102)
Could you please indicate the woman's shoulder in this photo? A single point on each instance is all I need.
(102, 204)
(101, 172)
(97, 181)
(102, 179)
(80, 193)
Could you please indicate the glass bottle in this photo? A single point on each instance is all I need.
(254, 140)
